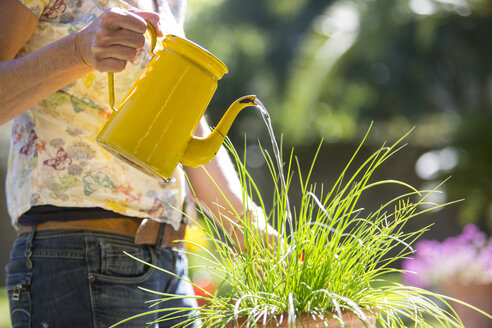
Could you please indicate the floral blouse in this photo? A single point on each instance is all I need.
(54, 158)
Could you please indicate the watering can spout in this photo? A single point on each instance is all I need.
(200, 151)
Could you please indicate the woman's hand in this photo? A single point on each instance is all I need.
(114, 38)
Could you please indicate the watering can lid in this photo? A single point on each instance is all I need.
(196, 53)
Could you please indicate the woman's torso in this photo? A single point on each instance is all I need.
(54, 158)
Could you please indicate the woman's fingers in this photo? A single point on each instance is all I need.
(153, 19)
(125, 38)
(117, 52)
(112, 65)
(114, 36)
(116, 18)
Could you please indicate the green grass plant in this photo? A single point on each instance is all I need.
(330, 258)
(4, 309)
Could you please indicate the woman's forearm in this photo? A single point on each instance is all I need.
(223, 174)
(27, 80)
(224, 196)
(106, 44)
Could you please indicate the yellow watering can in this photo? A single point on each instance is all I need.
(152, 128)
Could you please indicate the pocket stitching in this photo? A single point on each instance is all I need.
(127, 280)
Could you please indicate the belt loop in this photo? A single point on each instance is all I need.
(160, 236)
(29, 246)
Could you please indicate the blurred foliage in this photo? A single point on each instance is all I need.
(326, 68)
(4, 309)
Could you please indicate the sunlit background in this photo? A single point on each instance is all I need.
(326, 69)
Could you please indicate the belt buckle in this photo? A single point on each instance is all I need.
(185, 220)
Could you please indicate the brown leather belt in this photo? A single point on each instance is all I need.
(144, 231)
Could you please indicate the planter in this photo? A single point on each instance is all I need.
(307, 320)
(478, 295)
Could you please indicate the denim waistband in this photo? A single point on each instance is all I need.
(64, 243)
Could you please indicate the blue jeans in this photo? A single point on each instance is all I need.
(83, 279)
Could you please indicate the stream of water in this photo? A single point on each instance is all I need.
(278, 159)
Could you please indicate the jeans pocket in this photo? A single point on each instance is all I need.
(119, 267)
(18, 286)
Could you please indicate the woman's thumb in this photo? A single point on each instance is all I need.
(152, 18)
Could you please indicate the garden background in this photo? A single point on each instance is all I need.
(326, 69)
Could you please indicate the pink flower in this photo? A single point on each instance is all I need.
(465, 258)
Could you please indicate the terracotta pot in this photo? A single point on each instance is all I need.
(307, 320)
(478, 295)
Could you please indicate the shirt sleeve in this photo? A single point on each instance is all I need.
(178, 8)
(36, 6)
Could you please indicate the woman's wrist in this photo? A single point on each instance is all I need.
(78, 46)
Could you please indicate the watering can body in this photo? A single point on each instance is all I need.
(152, 128)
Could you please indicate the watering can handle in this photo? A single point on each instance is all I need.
(153, 42)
